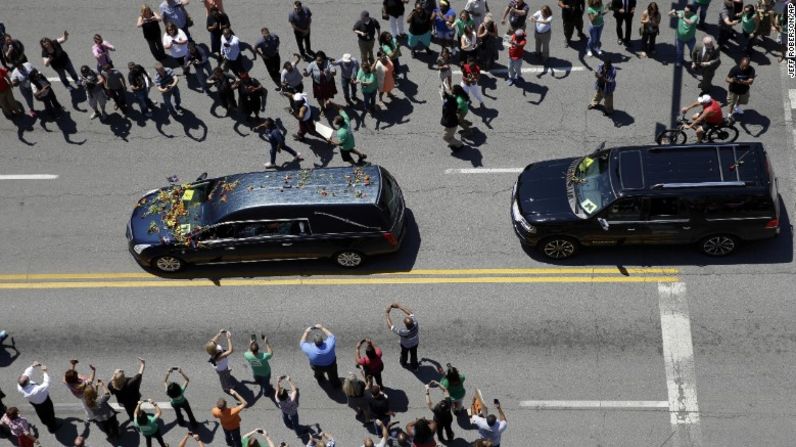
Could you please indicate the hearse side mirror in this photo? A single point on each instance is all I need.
(201, 177)
(603, 223)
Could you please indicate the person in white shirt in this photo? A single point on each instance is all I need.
(20, 77)
(542, 31)
(385, 435)
(477, 10)
(176, 42)
(230, 51)
(491, 427)
(38, 395)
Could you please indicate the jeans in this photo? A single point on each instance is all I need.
(595, 32)
(67, 68)
(397, 25)
(303, 42)
(370, 99)
(120, 98)
(264, 381)
(178, 409)
(168, 94)
(27, 93)
(349, 89)
(329, 370)
(291, 422)
(515, 68)
(232, 437)
(703, 11)
(679, 46)
(412, 352)
(203, 71)
(648, 42)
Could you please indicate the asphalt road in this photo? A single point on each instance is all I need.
(593, 329)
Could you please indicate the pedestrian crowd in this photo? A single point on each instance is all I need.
(365, 393)
(470, 38)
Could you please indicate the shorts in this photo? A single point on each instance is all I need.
(734, 99)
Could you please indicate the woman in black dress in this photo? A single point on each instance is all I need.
(127, 389)
(56, 58)
(149, 20)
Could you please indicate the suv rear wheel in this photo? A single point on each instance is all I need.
(349, 258)
(558, 247)
(718, 245)
(168, 264)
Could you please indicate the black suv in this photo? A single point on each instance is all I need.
(712, 195)
(341, 213)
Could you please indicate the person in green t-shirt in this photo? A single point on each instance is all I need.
(370, 85)
(686, 31)
(250, 438)
(595, 13)
(462, 107)
(453, 381)
(258, 361)
(750, 23)
(176, 393)
(147, 423)
(344, 137)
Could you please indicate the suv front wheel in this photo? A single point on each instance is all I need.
(718, 245)
(558, 247)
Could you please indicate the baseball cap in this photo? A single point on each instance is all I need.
(519, 32)
(704, 99)
(347, 57)
(298, 97)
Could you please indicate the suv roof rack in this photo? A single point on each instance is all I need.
(697, 185)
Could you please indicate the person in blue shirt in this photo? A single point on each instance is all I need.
(320, 353)
(277, 140)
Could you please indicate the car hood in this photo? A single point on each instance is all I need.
(164, 216)
(542, 191)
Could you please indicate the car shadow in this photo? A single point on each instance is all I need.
(401, 261)
(778, 250)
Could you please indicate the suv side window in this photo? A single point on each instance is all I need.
(727, 207)
(624, 210)
(664, 207)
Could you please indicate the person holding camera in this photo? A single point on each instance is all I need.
(176, 393)
(219, 358)
(230, 418)
(189, 435)
(127, 389)
(604, 87)
(147, 423)
(250, 438)
(38, 394)
(258, 360)
(443, 417)
(321, 353)
(491, 427)
(287, 401)
(410, 334)
(371, 362)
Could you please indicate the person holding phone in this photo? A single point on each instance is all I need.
(258, 361)
(127, 389)
(250, 438)
(371, 362)
(410, 334)
(288, 403)
(148, 424)
(443, 418)
(219, 358)
(491, 427)
(176, 393)
(230, 418)
(321, 353)
(189, 435)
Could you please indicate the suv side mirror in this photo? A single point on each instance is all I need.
(201, 177)
(603, 223)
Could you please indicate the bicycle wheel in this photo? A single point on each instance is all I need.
(722, 134)
(671, 136)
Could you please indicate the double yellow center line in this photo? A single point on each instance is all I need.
(417, 276)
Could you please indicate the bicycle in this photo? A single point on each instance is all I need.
(721, 133)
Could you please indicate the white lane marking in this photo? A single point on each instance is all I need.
(653, 405)
(147, 406)
(484, 171)
(678, 358)
(792, 96)
(532, 69)
(54, 79)
(29, 177)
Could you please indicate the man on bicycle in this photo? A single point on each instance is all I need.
(711, 115)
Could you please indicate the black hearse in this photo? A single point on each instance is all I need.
(341, 213)
(714, 196)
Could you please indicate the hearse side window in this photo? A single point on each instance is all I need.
(223, 231)
(664, 207)
(725, 207)
(624, 209)
(274, 228)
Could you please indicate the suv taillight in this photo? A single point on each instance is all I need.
(773, 223)
(390, 238)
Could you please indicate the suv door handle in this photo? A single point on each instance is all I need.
(287, 244)
(229, 248)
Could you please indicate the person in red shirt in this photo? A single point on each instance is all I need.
(470, 74)
(371, 362)
(711, 115)
(516, 52)
(8, 103)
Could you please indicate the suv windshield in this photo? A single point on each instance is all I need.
(592, 183)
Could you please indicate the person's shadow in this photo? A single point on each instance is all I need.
(535, 89)
(470, 154)
(752, 118)
(7, 359)
(67, 432)
(487, 115)
(24, 124)
(428, 370)
(68, 127)
(120, 125)
(78, 95)
(190, 122)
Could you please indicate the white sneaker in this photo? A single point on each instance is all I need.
(737, 110)
(269, 165)
(298, 157)
(93, 115)
(599, 52)
(588, 53)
